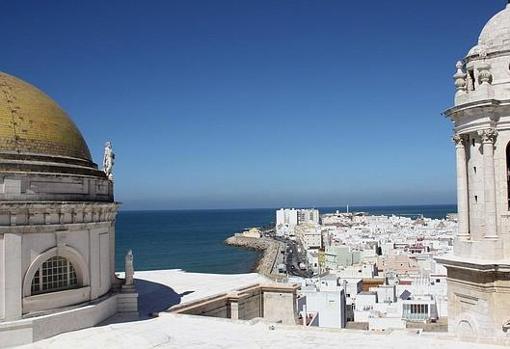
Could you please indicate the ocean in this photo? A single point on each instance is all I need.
(192, 240)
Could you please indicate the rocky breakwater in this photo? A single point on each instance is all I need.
(271, 250)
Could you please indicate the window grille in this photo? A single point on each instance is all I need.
(56, 274)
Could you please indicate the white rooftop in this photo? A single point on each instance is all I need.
(159, 289)
(185, 331)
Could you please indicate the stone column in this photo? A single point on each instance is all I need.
(462, 188)
(488, 139)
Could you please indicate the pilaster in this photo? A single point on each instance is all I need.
(488, 137)
(462, 188)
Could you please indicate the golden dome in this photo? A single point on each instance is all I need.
(32, 123)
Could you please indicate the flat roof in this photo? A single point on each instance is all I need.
(188, 331)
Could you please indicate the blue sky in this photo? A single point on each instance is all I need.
(266, 103)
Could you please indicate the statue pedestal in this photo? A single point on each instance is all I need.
(127, 300)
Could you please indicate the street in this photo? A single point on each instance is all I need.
(294, 258)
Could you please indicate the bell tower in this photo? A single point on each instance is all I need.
(479, 268)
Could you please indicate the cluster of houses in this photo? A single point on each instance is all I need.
(371, 272)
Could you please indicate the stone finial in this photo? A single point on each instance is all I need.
(488, 135)
(484, 73)
(108, 160)
(460, 78)
(129, 269)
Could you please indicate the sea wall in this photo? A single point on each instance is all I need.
(267, 265)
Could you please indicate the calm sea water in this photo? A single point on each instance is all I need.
(193, 240)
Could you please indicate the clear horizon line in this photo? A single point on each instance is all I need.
(279, 207)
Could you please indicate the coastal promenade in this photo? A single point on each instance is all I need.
(273, 252)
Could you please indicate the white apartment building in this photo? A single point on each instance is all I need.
(288, 218)
(286, 221)
(308, 216)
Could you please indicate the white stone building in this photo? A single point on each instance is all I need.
(479, 268)
(310, 235)
(57, 222)
(287, 219)
(329, 306)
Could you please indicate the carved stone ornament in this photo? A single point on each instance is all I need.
(459, 139)
(484, 73)
(488, 135)
(482, 51)
(460, 77)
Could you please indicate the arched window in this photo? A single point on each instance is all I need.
(55, 274)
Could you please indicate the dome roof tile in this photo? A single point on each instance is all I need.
(32, 123)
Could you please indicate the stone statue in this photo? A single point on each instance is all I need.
(129, 269)
(108, 160)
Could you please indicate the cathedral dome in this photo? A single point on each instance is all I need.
(495, 35)
(32, 123)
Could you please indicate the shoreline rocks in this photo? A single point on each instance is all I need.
(270, 248)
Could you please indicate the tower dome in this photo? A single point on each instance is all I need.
(32, 123)
(495, 35)
(57, 214)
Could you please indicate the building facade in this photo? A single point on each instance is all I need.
(479, 269)
(287, 219)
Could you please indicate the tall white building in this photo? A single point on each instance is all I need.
(479, 269)
(308, 216)
(287, 219)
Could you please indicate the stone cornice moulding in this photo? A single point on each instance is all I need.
(51, 228)
(474, 264)
(481, 104)
(55, 214)
(475, 57)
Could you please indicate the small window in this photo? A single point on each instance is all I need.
(474, 168)
(476, 198)
(473, 142)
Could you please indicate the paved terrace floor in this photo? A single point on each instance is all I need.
(185, 331)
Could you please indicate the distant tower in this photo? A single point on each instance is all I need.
(479, 269)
